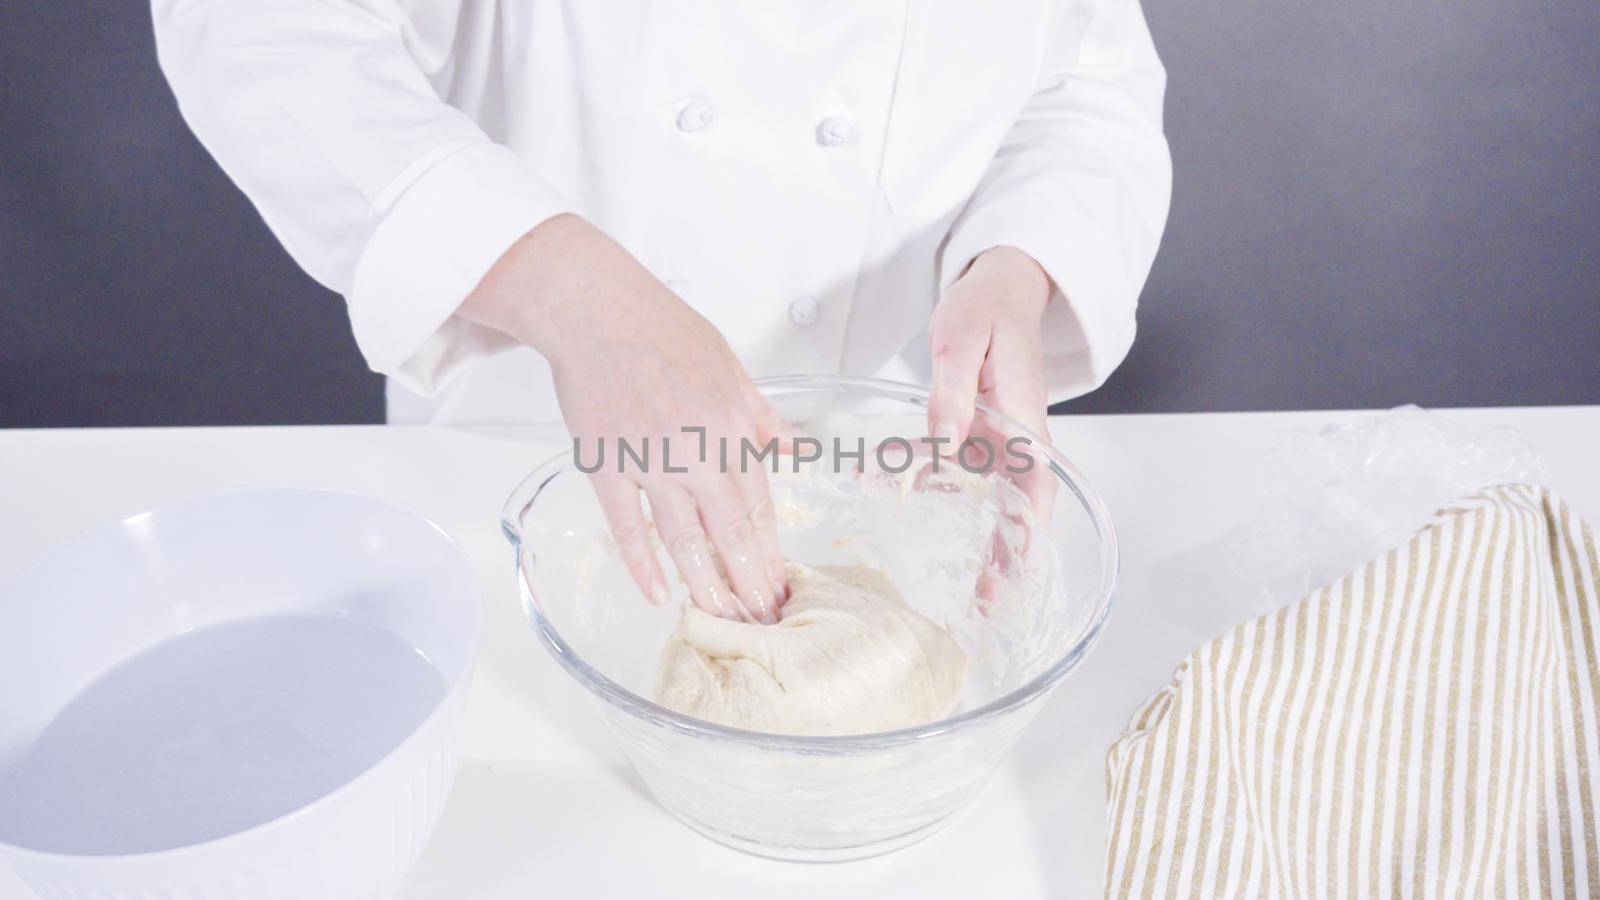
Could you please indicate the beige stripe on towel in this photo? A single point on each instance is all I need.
(1425, 727)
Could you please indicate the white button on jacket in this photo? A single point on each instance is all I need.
(805, 311)
(694, 116)
(856, 154)
(834, 131)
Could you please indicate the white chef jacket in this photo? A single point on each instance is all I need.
(809, 175)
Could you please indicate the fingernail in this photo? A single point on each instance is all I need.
(946, 432)
(659, 594)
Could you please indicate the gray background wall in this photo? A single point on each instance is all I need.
(1376, 203)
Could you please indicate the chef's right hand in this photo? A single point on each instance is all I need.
(632, 360)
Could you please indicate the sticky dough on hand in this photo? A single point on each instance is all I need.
(850, 656)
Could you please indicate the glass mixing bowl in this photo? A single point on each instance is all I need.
(837, 797)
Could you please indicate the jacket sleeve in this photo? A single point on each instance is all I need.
(324, 112)
(1081, 183)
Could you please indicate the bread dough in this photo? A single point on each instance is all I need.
(849, 656)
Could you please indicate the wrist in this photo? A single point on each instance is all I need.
(509, 298)
(545, 289)
(1023, 281)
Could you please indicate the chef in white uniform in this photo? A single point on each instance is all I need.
(614, 212)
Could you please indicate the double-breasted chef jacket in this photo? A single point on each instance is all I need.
(808, 174)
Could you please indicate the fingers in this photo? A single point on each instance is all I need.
(733, 534)
(718, 525)
(754, 493)
(678, 522)
(1040, 486)
(959, 342)
(619, 500)
(1018, 392)
(755, 497)
(1022, 463)
(1003, 561)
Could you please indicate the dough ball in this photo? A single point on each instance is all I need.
(850, 656)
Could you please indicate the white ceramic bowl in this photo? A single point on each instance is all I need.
(249, 694)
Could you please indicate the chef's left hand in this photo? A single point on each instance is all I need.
(985, 343)
(986, 349)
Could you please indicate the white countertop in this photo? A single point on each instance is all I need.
(545, 805)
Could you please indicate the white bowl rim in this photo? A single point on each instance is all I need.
(817, 745)
(224, 843)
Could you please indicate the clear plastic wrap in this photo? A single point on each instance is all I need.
(1334, 498)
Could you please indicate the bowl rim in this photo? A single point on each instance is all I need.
(642, 708)
(225, 843)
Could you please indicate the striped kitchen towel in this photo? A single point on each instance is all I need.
(1424, 727)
